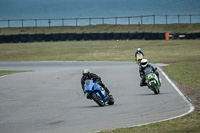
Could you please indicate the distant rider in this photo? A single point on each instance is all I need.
(144, 64)
(138, 51)
(95, 78)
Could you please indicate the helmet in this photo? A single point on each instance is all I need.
(144, 62)
(139, 49)
(86, 73)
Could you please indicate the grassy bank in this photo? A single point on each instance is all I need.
(171, 28)
(182, 55)
(3, 73)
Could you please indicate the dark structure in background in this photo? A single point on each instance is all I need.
(24, 38)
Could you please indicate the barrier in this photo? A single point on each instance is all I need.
(79, 36)
(147, 36)
(24, 38)
(71, 36)
(47, 37)
(31, 38)
(101, 36)
(117, 36)
(166, 36)
(109, 36)
(182, 35)
(86, 36)
(161, 36)
(63, 36)
(194, 35)
(55, 37)
(139, 35)
(16, 38)
(124, 36)
(94, 36)
(39, 37)
(132, 36)
(2, 38)
(7, 38)
(154, 36)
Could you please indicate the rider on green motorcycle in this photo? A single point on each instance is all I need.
(144, 64)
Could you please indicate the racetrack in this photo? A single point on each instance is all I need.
(50, 99)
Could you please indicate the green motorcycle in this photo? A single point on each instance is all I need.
(152, 81)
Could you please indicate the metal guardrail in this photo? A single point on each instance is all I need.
(147, 19)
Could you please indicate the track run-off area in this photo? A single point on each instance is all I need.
(49, 98)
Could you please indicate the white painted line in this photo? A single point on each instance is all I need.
(180, 93)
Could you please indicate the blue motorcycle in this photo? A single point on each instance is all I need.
(97, 93)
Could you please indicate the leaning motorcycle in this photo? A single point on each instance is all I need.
(97, 93)
(139, 58)
(152, 80)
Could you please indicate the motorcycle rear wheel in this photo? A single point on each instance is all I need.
(98, 99)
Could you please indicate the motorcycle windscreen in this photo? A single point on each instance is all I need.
(148, 70)
(88, 85)
(139, 56)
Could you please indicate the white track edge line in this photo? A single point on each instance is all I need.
(180, 93)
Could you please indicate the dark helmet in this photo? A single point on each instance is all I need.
(144, 62)
(139, 49)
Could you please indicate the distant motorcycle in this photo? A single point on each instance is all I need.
(97, 93)
(139, 58)
(152, 80)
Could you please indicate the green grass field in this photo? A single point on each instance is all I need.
(182, 55)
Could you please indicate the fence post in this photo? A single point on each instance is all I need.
(63, 22)
(36, 23)
(102, 20)
(89, 21)
(76, 22)
(154, 19)
(166, 19)
(115, 20)
(129, 22)
(8, 23)
(49, 23)
(141, 19)
(178, 19)
(190, 18)
(22, 23)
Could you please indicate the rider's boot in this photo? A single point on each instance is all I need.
(108, 92)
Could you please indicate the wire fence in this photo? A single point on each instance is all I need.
(147, 19)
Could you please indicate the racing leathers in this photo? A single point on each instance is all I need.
(96, 79)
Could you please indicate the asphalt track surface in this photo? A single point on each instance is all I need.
(51, 100)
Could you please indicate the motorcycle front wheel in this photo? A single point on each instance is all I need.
(98, 99)
(154, 87)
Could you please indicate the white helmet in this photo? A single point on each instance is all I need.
(139, 49)
(144, 62)
(86, 71)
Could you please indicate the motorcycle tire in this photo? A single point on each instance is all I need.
(111, 101)
(98, 99)
(153, 85)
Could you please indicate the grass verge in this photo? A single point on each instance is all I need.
(171, 28)
(182, 55)
(3, 73)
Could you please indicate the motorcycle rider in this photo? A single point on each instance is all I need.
(144, 64)
(96, 79)
(138, 51)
